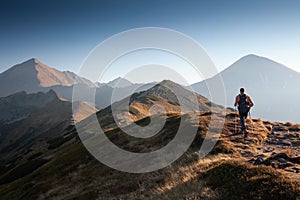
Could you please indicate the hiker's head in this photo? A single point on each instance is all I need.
(242, 90)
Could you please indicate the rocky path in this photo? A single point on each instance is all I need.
(273, 144)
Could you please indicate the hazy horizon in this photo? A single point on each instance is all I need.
(153, 73)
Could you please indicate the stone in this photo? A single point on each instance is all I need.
(297, 169)
(295, 160)
(259, 160)
(282, 160)
(294, 129)
(268, 149)
(279, 128)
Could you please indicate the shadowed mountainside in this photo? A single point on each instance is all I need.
(18, 106)
(30, 119)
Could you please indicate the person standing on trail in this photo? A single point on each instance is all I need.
(244, 103)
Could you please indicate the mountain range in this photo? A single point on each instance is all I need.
(33, 76)
(272, 86)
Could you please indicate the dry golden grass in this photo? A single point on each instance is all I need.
(74, 174)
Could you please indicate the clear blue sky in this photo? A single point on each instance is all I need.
(62, 33)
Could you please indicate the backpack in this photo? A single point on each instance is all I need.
(244, 105)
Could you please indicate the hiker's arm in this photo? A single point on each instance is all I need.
(250, 101)
(236, 101)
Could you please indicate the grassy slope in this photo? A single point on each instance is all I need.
(74, 174)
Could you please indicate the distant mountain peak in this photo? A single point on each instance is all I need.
(33, 76)
(29, 62)
(170, 92)
(35, 60)
(53, 93)
(167, 82)
(120, 82)
(18, 94)
(252, 56)
(256, 58)
(254, 64)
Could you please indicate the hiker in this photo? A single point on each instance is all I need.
(244, 103)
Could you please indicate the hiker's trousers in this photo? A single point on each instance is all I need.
(243, 117)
